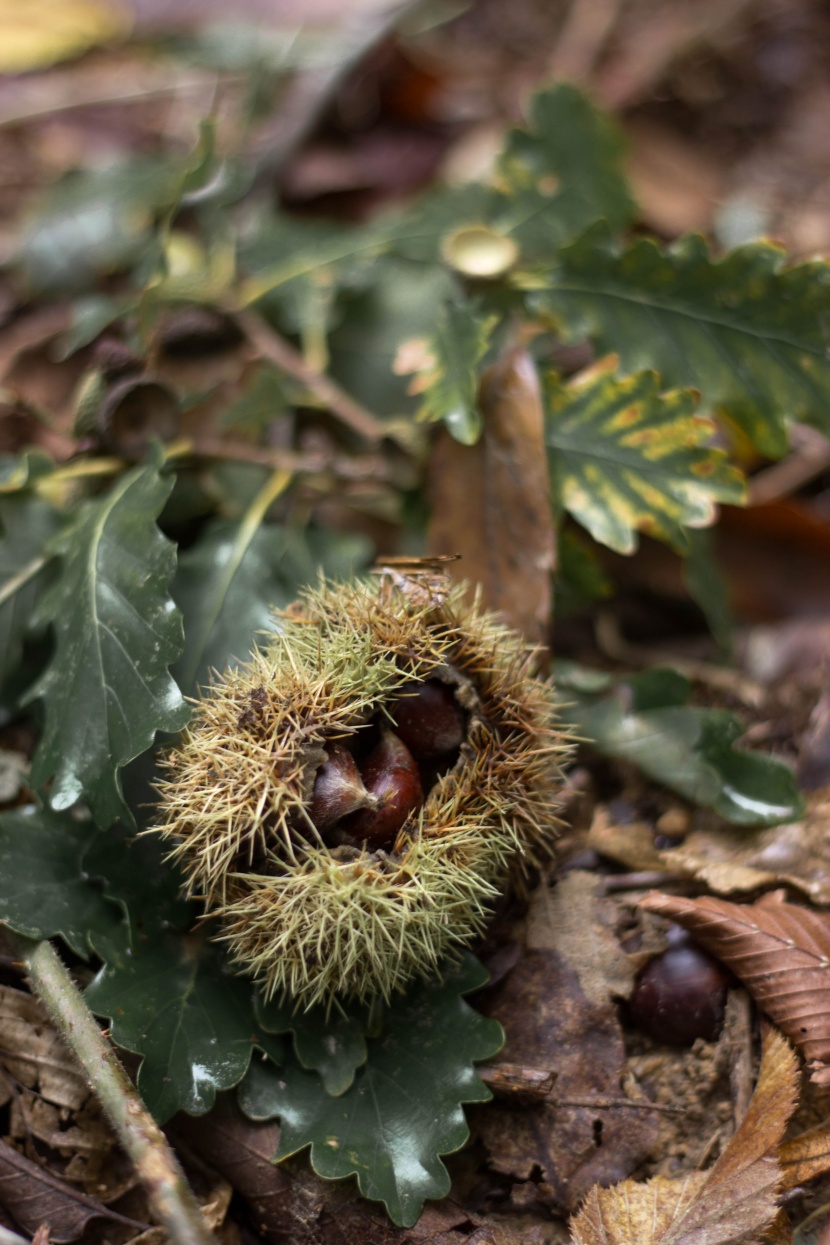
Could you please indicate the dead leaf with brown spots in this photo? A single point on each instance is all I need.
(491, 501)
(558, 1014)
(780, 952)
(732, 1204)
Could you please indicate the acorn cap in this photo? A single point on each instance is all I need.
(308, 914)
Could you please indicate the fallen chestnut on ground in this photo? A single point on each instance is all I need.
(680, 995)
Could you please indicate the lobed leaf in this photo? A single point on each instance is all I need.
(645, 720)
(332, 1044)
(779, 951)
(171, 1000)
(403, 1110)
(27, 523)
(745, 330)
(554, 177)
(107, 690)
(449, 379)
(562, 172)
(45, 891)
(625, 457)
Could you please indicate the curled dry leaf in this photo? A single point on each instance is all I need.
(500, 521)
(779, 951)
(731, 1204)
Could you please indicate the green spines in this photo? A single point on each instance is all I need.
(314, 916)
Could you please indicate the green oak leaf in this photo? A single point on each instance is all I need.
(625, 457)
(135, 875)
(403, 1110)
(333, 1043)
(171, 1000)
(107, 691)
(645, 720)
(94, 222)
(746, 331)
(27, 524)
(561, 173)
(554, 178)
(449, 383)
(45, 890)
(237, 573)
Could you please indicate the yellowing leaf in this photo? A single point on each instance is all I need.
(625, 457)
(732, 1204)
(39, 32)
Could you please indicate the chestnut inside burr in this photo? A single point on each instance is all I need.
(371, 783)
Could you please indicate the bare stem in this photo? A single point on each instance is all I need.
(18, 581)
(155, 1163)
(282, 354)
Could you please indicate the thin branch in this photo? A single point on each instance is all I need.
(282, 354)
(18, 581)
(155, 1163)
(345, 466)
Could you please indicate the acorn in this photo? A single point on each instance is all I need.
(323, 890)
(392, 779)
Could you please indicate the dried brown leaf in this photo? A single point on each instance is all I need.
(34, 1054)
(34, 1197)
(491, 501)
(730, 1205)
(804, 1157)
(779, 951)
(558, 1014)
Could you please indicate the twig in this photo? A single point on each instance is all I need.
(513, 1081)
(155, 1163)
(282, 354)
(18, 581)
(347, 467)
(601, 1103)
(810, 457)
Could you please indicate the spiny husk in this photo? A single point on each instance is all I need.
(316, 923)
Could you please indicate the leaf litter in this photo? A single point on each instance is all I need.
(711, 853)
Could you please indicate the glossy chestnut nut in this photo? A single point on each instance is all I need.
(390, 776)
(338, 788)
(428, 719)
(680, 995)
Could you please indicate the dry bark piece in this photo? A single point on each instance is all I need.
(501, 520)
(732, 1204)
(779, 951)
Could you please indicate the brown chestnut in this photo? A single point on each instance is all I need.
(391, 778)
(428, 719)
(680, 995)
(338, 788)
